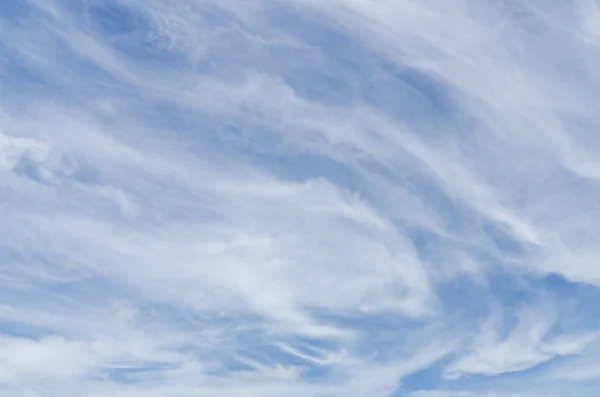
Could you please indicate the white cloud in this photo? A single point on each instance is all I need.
(526, 345)
(300, 198)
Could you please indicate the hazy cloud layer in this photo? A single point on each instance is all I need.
(299, 198)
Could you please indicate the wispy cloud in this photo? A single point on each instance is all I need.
(300, 198)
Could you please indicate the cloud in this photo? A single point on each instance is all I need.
(526, 345)
(300, 198)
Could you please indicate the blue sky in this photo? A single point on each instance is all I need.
(303, 198)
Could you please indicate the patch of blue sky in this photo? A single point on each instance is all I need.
(16, 10)
(136, 373)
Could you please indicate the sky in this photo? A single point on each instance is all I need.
(300, 198)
